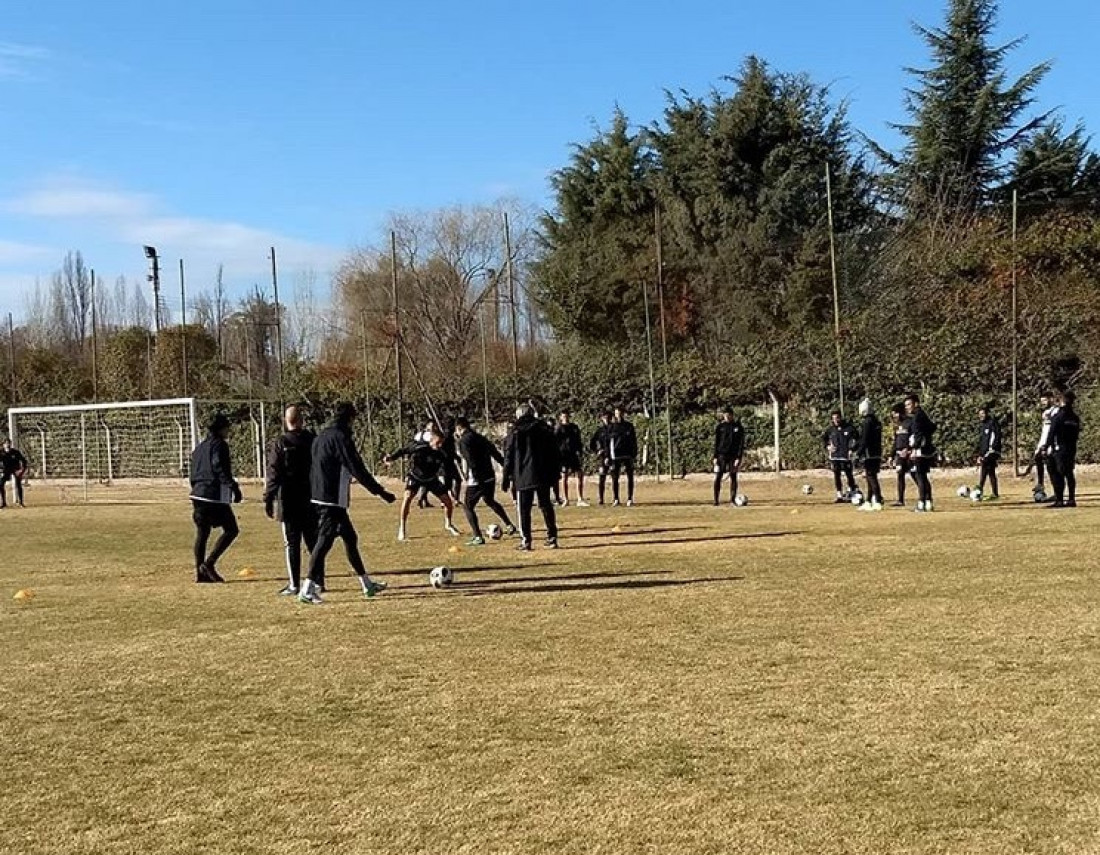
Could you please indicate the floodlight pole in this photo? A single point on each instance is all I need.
(183, 327)
(511, 294)
(154, 277)
(836, 290)
(278, 321)
(664, 337)
(95, 349)
(11, 359)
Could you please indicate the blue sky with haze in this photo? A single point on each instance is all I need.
(216, 129)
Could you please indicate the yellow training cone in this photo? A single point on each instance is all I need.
(24, 594)
(246, 573)
(454, 550)
(617, 530)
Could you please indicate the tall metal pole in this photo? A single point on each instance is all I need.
(512, 295)
(484, 363)
(278, 321)
(664, 336)
(11, 359)
(156, 293)
(397, 340)
(1015, 351)
(95, 349)
(366, 385)
(652, 378)
(836, 290)
(183, 328)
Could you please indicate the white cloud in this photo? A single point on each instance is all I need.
(13, 252)
(133, 219)
(16, 60)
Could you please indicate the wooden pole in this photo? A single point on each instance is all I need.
(278, 322)
(1015, 350)
(397, 340)
(664, 335)
(652, 377)
(836, 290)
(512, 295)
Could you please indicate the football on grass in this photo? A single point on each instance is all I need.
(495, 532)
(441, 577)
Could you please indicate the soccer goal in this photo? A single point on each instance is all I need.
(107, 442)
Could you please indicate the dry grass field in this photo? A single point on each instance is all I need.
(790, 677)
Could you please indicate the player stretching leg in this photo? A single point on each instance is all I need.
(427, 461)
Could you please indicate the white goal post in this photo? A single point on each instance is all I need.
(107, 442)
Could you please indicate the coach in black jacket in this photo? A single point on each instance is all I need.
(213, 489)
(1065, 431)
(840, 440)
(623, 446)
(335, 462)
(287, 493)
(869, 450)
(922, 450)
(729, 445)
(531, 464)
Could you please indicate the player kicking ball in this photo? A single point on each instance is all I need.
(427, 461)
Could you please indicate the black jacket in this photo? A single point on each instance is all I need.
(729, 440)
(921, 432)
(600, 443)
(989, 438)
(212, 472)
(840, 441)
(479, 452)
(335, 462)
(901, 436)
(531, 455)
(289, 458)
(12, 461)
(622, 440)
(869, 446)
(425, 462)
(1065, 430)
(570, 442)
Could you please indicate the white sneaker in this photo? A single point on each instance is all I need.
(401, 536)
(310, 598)
(451, 530)
(630, 503)
(581, 503)
(876, 506)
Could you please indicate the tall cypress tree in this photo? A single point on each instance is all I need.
(966, 117)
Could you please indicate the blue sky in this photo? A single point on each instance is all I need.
(216, 128)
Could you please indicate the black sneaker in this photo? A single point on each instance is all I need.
(211, 573)
(203, 577)
(1072, 503)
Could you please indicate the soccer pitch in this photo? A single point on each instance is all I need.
(790, 677)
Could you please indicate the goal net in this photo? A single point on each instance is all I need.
(107, 442)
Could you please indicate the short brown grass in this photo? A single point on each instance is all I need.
(791, 677)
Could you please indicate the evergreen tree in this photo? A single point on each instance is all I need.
(1056, 167)
(966, 117)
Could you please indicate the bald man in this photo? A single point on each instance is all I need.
(287, 493)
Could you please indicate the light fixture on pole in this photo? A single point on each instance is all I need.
(154, 277)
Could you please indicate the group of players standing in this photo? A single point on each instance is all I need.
(914, 452)
(309, 476)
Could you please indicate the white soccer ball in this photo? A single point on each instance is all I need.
(975, 495)
(495, 532)
(441, 577)
(740, 500)
(807, 489)
(856, 498)
(963, 492)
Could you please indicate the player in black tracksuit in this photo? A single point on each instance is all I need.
(623, 448)
(600, 445)
(869, 450)
(839, 440)
(1065, 430)
(452, 478)
(729, 445)
(213, 490)
(335, 462)
(13, 466)
(903, 463)
(571, 454)
(478, 453)
(922, 450)
(531, 464)
(287, 494)
(988, 450)
(427, 463)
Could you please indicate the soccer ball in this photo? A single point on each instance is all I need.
(807, 489)
(1039, 495)
(975, 495)
(740, 500)
(856, 498)
(441, 577)
(963, 492)
(495, 532)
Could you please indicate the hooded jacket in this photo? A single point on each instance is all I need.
(921, 431)
(425, 463)
(989, 438)
(335, 462)
(840, 440)
(600, 443)
(1065, 430)
(531, 455)
(729, 440)
(479, 452)
(289, 460)
(622, 440)
(212, 472)
(869, 444)
(570, 443)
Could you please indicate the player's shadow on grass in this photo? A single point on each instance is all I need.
(604, 532)
(525, 586)
(680, 540)
(477, 569)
